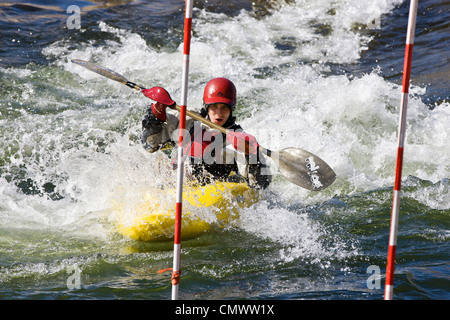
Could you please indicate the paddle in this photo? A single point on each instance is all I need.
(298, 166)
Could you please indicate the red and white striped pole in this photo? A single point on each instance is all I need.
(390, 268)
(180, 169)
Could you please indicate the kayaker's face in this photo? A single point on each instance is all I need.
(219, 113)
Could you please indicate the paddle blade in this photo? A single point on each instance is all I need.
(304, 168)
(101, 70)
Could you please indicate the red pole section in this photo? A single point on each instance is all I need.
(390, 268)
(180, 169)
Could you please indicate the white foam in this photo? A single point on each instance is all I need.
(300, 236)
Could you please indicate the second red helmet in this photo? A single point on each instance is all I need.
(220, 90)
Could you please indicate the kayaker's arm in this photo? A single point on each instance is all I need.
(256, 173)
(155, 132)
(259, 175)
(151, 132)
(252, 164)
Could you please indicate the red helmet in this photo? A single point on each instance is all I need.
(220, 90)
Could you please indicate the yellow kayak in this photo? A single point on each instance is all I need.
(204, 207)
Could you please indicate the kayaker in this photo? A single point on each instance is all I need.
(212, 155)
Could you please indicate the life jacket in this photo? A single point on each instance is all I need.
(201, 154)
(200, 143)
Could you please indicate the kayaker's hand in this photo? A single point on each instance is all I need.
(243, 142)
(159, 110)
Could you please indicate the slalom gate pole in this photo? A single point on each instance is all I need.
(180, 169)
(390, 268)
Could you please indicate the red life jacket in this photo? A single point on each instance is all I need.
(200, 144)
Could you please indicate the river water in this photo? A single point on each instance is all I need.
(324, 76)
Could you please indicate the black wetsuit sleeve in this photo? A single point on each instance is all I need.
(151, 131)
